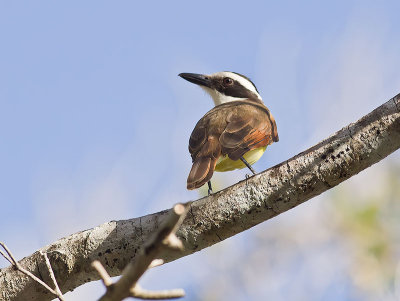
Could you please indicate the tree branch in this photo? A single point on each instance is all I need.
(221, 215)
(10, 258)
(127, 286)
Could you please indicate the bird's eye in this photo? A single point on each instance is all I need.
(227, 81)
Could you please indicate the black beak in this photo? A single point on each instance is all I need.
(198, 79)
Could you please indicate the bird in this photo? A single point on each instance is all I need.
(232, 135)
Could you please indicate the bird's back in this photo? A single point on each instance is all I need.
(228, 130)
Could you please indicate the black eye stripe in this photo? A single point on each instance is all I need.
(235, 90)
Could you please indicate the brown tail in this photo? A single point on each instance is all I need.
(204, 164)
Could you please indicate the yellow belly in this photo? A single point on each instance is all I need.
(226, 164)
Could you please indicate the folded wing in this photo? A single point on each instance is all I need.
(245, 132)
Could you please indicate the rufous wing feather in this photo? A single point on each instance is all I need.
(245, 132)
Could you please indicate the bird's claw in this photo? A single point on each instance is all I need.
(209, 188)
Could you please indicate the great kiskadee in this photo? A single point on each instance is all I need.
(232, 135)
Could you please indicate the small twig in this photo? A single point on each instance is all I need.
(138, 292)
(10, 258)
(173, 242)
(102, 273)
(156, 263)
(127, 285)
(52, 276)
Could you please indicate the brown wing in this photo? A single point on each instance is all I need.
(197, 138)
(247, 129)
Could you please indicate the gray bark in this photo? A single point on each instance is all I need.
(219, 216)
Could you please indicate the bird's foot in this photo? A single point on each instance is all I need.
(248, 165)
(210, 191)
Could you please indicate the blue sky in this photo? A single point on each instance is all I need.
(94, 121)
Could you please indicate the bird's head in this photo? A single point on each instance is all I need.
(225, 86)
